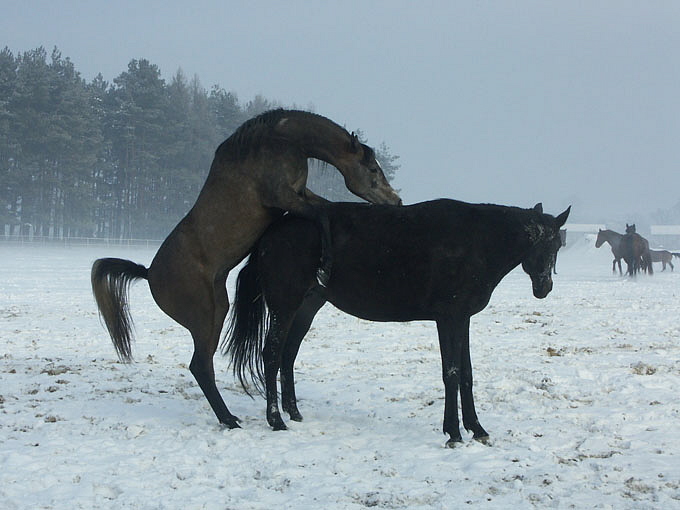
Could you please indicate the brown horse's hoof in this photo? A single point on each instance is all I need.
(322, 277)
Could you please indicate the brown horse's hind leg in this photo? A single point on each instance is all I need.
(200, 306)
(206, 335)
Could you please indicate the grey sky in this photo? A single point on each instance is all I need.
(508, 102)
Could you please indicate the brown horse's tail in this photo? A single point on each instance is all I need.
(111, 279)
(247, 327)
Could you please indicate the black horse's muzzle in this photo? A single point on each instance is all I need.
(541, 286)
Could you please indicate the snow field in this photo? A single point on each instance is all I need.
(578, 391)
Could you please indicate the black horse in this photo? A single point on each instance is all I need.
(437, 260)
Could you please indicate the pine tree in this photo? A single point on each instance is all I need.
(9, 178)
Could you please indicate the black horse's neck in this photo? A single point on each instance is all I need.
(518, 232)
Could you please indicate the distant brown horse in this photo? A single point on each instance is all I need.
(614, 240)
(259, 172)
(663, 256)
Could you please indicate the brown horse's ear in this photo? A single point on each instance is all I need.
(562, 218)
(354, 143)
(539, 208)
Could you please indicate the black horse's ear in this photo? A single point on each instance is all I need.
(539, 208)
(354, 143)
(562, 218)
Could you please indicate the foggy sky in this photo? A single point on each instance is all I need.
(503, 102)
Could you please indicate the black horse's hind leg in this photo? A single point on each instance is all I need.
(470, 420)
(271, 356)
(313, 302)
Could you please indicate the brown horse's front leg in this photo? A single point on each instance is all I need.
(310, 206)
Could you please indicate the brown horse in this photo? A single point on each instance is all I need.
(614, 240)
(258, 173)
(663, 256)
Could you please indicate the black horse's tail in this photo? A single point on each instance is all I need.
(676, 254)
(247, 328)
(111, 279)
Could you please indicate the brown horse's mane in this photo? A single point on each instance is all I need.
(255, 132)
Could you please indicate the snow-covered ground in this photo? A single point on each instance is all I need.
(579, 392)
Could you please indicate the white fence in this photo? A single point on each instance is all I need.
(76, 241)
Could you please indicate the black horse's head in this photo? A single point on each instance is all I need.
(540, 262)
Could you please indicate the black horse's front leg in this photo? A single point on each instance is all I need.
(470, 420)
(450, 347)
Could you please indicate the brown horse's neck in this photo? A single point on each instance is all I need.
(317, 136)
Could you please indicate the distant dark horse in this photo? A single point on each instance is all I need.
(614, 240)
(563, 240)
(257, 173)
(634, 250)
(438, 260)
(663, 256)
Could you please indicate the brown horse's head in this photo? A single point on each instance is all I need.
(363, 175)
(601, 238)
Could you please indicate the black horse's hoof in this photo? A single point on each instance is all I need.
(484, 439)
(231, 424)
(296, 416)
(279, 426)
(452, 443)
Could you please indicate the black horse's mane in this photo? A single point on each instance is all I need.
(253, 133)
